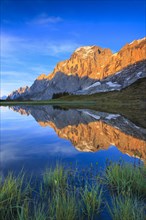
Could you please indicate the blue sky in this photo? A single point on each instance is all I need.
(36, 34)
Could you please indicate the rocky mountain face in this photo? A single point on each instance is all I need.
(117, 81)
(85, 61)
(17, 94)
(44, 89)
(98, 63)
(91, 69)
(90, 130)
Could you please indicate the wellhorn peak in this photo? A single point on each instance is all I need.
(92, 69)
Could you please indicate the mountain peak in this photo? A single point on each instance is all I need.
(138, 41)
(42, 76)
(88, 51)
(97, 63)
(85, 49)
(17, 93)
(85, 61)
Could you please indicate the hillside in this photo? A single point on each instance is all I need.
(134, 93)
(130, 101)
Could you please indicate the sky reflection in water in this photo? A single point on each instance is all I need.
(25, 144)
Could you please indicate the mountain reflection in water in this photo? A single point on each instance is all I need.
(90, 130)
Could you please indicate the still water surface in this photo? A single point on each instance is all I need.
(35, 137)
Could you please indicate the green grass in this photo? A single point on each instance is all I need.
(64, 206)
(14, 196)
(55, 178)
(68, 194)
(126, 179)
(127, 209)
(134, 93)
(92, 200)
(40, 213)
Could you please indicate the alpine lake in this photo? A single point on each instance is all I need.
(83, 142)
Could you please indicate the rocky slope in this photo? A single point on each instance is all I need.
(91, 69)
(119, 80)
(90, 130)
(17, 94)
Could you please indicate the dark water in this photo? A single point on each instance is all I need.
(35, 137)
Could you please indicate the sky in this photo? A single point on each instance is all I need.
(37, 34)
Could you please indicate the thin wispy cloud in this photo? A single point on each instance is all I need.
(61, 47)
(44, 19)
(22, 59)
(8, 44)
(13, 44)
(13, 73)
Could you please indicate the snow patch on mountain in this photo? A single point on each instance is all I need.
(111, 84)
(93, 85)
(112, 116)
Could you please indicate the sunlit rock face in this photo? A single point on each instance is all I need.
(85, 61)
(89, 130)
(91, 69)
(129, 54)
(98, 63)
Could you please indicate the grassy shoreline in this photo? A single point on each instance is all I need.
(134, 95)
(129, 102)
(133, 111)
(67, 194)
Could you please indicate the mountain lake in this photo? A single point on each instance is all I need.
(35, 138)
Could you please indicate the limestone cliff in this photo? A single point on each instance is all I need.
(98, 63)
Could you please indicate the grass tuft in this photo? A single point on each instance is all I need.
(14, 196)
(91, 197)
(126, 179)
(40, 212)
(124, 208)
(64, 206)
(55, 178)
